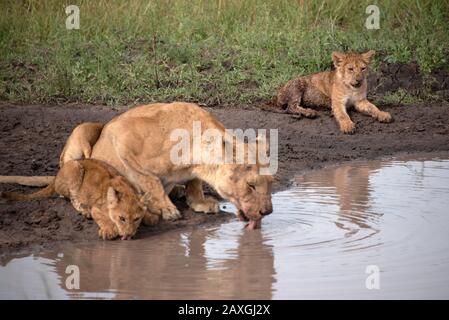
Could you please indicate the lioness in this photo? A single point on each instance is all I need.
(97, 190)
(346, 85)
(78, 146)
(80, 142)
(137, 143)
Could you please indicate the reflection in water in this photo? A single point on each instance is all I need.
(317, 244)
(175, 265)
(351, 186)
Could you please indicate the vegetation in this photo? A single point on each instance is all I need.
(208, 51)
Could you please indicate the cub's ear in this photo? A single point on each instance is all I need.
(337, 58)
(111, 197)
(367, 56)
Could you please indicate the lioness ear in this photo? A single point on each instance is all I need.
(367, 56)
(111, 197)
(337, 58)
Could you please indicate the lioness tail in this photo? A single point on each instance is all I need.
(43, 193)
(34, 181)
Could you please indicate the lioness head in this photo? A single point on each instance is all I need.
(125, 208)
(352, 68)
(249, 191)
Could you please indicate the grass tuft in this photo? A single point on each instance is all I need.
(214, 52)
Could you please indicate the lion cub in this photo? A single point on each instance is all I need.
(97, 190)
(342, 87)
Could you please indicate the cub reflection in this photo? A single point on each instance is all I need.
(351, 185)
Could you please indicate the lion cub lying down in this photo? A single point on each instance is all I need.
(342, 87)
(97, 190)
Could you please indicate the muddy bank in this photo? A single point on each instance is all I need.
(32, 138)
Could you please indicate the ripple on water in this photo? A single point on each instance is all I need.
(319, 241)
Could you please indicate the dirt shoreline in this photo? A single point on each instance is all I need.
(32, 138)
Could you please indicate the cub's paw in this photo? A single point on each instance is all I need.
(309, 113)
(347, 127)
(150, 219)
(383, 116)
(296, 116)
(208, 205)
(86, 214)
(107, 233)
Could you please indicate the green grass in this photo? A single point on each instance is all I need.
(400, 96)
(213, 52)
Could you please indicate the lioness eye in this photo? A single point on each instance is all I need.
(136, 219)
(363, 68)
(351, 69)
(122, 219)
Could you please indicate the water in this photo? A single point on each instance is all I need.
(328, 234)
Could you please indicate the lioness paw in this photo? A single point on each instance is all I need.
(170, 213)
(208, 205)
(383, 116)
(107, 233)
(166, 209)
(347, 127)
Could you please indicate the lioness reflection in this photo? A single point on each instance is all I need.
(175, 265)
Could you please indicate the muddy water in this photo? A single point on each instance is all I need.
(328, 237)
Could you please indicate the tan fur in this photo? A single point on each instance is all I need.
(342, 87)
(34, 181)
(97, 190)
(79, 144)
(137, 143)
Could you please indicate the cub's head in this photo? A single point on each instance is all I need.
(248, 190)
(125, 208)
(352, 68)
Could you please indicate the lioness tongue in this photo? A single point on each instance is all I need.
(253, 224)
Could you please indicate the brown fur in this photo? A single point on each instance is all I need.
(97, 190)
(345, 86)
(34, 181)
(137, 143)
(79, 144)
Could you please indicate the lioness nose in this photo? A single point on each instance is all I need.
(267, 211)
